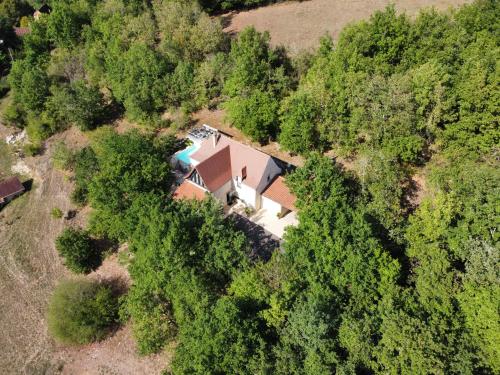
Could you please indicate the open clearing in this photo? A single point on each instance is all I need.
(299, 25)
(29, 270)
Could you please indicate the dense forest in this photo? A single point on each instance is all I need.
(378, 277)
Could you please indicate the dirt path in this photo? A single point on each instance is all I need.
(29, 270)
(299, 25)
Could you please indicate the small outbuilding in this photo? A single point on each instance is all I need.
(10, 189)
(21, 31)
(278, 199)
(44, 9)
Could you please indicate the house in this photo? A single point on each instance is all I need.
(44, 9)
(231, 170)
(9, 189)
(21, 31)
(278, 199)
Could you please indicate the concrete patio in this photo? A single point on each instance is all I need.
(268, 221)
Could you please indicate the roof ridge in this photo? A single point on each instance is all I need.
(247, 146)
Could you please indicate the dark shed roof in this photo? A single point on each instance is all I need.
(10, 186)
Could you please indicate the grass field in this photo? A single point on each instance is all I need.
(299, 25)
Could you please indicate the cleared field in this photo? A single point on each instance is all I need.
(299, 25)
(29, 270)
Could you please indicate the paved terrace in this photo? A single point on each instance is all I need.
(268, 221)
(263, 243)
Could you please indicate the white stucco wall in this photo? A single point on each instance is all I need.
(221, 193)
(246, 193)
(271, 206)
(271, 171)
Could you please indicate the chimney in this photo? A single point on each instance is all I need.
(215, 138)
(243, 173)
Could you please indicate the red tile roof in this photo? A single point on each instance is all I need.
(240, 156)
(21, 31)
(278, 192)
(10, 187)
(188, 190)
(215, 171)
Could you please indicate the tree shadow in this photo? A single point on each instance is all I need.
(409, 200)
(395, 249)
(101, 249)
(28, 185)
(262, 243)
(104, 246)
(112, 112)
(118, 285)
(226, 19)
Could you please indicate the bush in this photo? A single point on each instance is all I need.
(4, 87)
(75, 246)
(56, 213)
(32, 149)
(13, 115)
(85, 166)
(81, 311)
(62, 157)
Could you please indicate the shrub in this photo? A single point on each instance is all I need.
(4, 87)
(75, 246)
(62, 156)
(14, 115)
(56, 213)
(32, 149)
(81, 311)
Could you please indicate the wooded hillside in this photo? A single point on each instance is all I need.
(379, 276)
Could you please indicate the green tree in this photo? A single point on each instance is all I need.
(128, 165)
(81, 311)
(223, 340)
(185, 253)
(137, 79)
(30, 85)
(85, 105)
(299, 115)
(345, 273)
(210, 77)
(75, 246)
(65, 23)
(253, 61)
(479, 299)
(86, 166)
(186, 32)
(255, 115)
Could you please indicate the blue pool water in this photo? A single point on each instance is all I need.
(183, 155)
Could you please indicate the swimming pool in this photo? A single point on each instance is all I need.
(183, 155)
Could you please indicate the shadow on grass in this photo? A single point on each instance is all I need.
(102, 248)
(28, 185)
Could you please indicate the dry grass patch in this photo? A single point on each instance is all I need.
(30, 268)
(299, 25)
